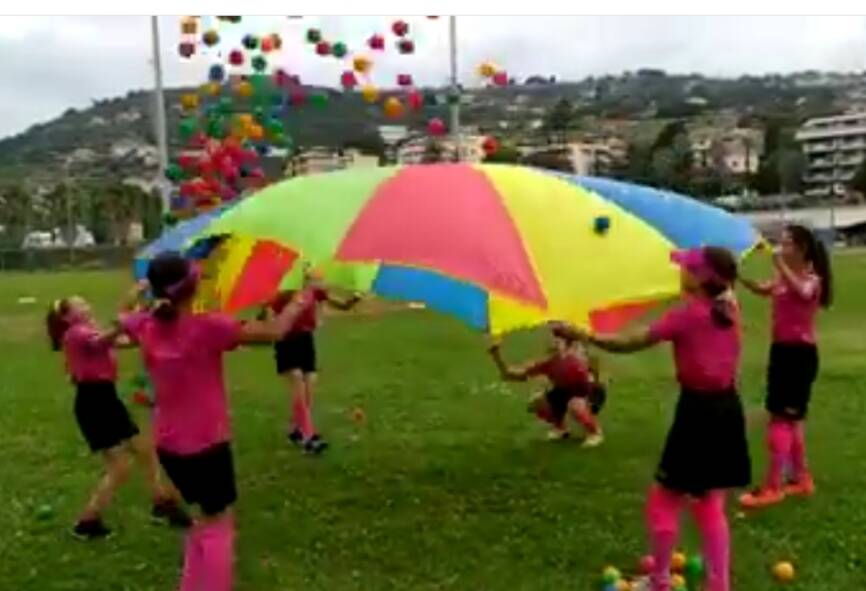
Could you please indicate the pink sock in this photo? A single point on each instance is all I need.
(798, 451)
(217, 554)
(190, 579)
(584, 416)
(301, 416)
(545, 415)
(709, 514)
(779, 436)
(662, 515)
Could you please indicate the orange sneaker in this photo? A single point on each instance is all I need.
(763, 497)
(805, 487)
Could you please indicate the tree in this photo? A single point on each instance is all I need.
(15, 214)
(558, 119)
(792, 165)
(858, 183)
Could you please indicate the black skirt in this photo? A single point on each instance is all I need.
(296, 351)
(706, 447)
(206, 478)
(791, 372)
(102, 417)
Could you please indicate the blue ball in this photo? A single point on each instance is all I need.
(601, 224)
(217, 73)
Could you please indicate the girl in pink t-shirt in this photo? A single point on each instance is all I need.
(706, 450)
(183, 353)
(102, 418)
(803, 284)
(574, 386)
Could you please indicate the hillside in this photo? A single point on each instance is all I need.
(114, 138)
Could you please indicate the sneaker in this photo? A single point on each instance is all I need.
(593, 440)
(763, 497)
(557, 435)
(90, 529)
(295, 437)
(805, 487)
(315, 445)
(171, 512)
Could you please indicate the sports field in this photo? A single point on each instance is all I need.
(448, 484)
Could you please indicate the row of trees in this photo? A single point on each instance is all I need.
(106, 209)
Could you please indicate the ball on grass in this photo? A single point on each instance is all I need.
(610, 575)
(647, 564)
(678, 562)
(783, 572)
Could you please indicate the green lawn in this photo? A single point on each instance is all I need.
(449, 485)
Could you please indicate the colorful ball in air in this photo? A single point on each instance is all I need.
(188, 126)
(251, 42)
(225, 105)
(275, 128)
(783, 572)
(400, 28)
(186, 49)
(404, 79)
(694, 569)
(393, 108)
(415, 100)
(323, 48)
(361, 64)
(647, 564)
(319, 100)
(314, 35)
(348, 80)
(44, 512)
(436, 127)
(267, 44)
(189, 101)
(216, 73)
(677, 581)
(189, 25)
(490, 145)
(259, 63)
(236, 57)
(173, 172)
(376, 42)
(610, 575)
(230, 19)
(276, 41)
(339, 49)
(601, 224)
(370, 93)
(678, 562)
(210, 38)
(500, 78)
(244, 89)
(297, 98)
(406, 46)
(487, 70)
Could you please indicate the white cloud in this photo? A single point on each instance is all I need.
(48, 64)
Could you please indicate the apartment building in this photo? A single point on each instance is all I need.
(835, 148)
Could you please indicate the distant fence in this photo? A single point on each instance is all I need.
(58, 259)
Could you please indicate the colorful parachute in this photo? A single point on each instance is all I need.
(500, 247)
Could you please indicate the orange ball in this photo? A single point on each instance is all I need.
(678, 562)
(189, 26)
(393, 108)
(370, 93)
(677, 582)
(256, 132)
(189, 102)
(362, 64)
(783, 572)
(244, 89)
(211, 88)
(487, 70)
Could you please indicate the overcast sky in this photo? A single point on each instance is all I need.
(48, 64)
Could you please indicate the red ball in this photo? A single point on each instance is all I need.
(404, 79)
(348, 80)
(281, 78)
(186, 49)
(187, 162)
(400, 28)
(647, 564)
(415, 100)
(297, 98)
(236, 57)
(406, 46)
(376, 42)
(436, 127)
(490, 146)
(323, 48)
(500, 78)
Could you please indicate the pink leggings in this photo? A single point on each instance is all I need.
(786, 443)
(663, 516)
(209, 555)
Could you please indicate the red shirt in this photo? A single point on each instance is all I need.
(563, 371)
(88, 359)
(307, 319)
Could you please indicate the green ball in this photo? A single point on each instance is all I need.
(44, 512)
(173, 172)
(275, 127)
(226, 105)
(259, 63)
(339, 49)
(188, 126)
(169, 219)
(319, 100)
(611, 575)
(216, 128)
(694, 569)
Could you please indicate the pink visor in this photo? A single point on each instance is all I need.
(695, 262)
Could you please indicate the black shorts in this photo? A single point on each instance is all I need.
(557, 400)
(791, 372)
(296, 351)
(597, 398)
(206, 478)
(102, 417)
(706, 447)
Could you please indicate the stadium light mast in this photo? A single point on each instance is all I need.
(454, 94)
(159, 114)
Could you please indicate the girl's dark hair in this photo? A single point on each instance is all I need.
(168, 275)
(56, 324)
(815, 253)
(724, 266)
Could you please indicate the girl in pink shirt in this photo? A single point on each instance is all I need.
(803, 284)
(183, 353)
(706, 450)
(573, 382)
(102, 418)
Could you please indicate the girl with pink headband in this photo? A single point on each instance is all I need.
(706, 451)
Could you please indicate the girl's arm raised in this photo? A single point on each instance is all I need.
(344, 305)
(759, 288)
(272, 329)
(805, 288)
(508, 373)
(615, 343)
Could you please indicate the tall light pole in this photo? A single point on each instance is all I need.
(454, 94)
(159, 114)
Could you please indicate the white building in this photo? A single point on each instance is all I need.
(834, 148)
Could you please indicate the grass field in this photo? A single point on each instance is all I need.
(449, 485)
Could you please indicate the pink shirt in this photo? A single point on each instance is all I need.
(88, 359)
(794, 312)
(706, 355)
(185, 361)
